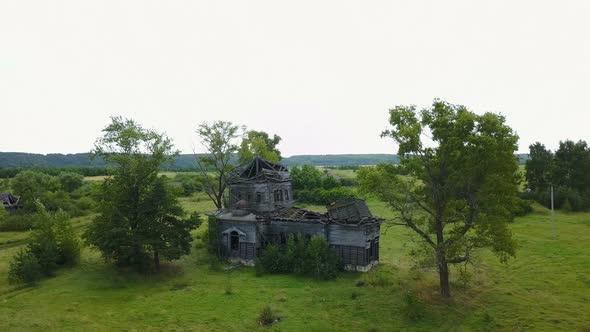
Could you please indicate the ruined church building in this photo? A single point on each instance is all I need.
(261, 211)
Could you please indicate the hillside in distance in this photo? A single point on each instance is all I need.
(183, 161)
(187, 161)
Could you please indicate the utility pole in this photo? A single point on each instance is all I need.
(552, 216)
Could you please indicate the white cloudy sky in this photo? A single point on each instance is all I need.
(321, 74)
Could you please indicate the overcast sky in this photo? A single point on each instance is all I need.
(320, 74)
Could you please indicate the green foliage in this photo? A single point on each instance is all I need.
(4, 184)
(67, 243)
(87, 165)
(53, 240)
(321, 261)
(139, 216)
(522, 207)
(70, 181)
(568, 170)
(219, 141)
(274, 259)
(311, 186)
(540, 167)
(10, 172)
(305, 177)
(18, 222)
(261, 144)
(24, 268)
(572, 166)
(32, 186)
(345, 161)
(310, 257)
(61, 200)
(457, 195)
(213, 243)
(518, 295)
(266, 316)
(52, 244)
(189, 184)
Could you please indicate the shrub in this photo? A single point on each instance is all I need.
(577, 201)
(266, 316)
(85, 204)
(275, 260)
(312, 257)
(70, 181)
(52, 243)
(44, 248)
(24, 268)
(349, 182)
(18, 222)
(522, 207)
(212, 240)
(68, 246)
(195, 218)
(60, 200)
(321, 261)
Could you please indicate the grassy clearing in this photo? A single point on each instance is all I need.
(547, 287)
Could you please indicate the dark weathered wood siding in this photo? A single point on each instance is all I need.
(250, 191)
(356, 245)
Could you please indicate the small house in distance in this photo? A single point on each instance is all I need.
(261, 211)
(10, 202)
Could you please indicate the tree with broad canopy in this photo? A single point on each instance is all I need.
(139, 218)
(456, 188)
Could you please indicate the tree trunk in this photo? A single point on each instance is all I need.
(157, 260)
(219, 201)
(443, 273)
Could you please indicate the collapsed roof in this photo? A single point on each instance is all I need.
(353, 210)
(298, 214)
(9, 200)
(345, 212)
(259, 170)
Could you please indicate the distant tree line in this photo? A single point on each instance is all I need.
(10, 172)
(567, 170)
(82, 163)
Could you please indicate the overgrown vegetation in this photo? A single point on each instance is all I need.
(312, 186)
(567, 170)
(52, 244)
(457, 195)
(302, 256)
(266, 316)
(140, 219)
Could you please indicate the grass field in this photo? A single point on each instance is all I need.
(546, 288)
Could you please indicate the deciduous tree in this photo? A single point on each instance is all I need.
(219, 141)
(139, 218)
(454, 190)
(261, 144)
(539, 167)
(572, 165)
(31, 186)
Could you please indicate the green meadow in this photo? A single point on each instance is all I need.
(545, 288)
